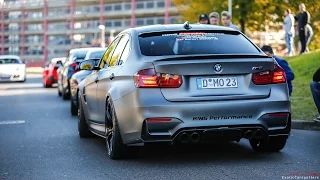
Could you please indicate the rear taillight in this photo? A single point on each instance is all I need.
(73, 64)
(277, 75)
(75, 67)
(149, 78)
(158, 119)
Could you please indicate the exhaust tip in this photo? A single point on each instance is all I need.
(248, 134)
(195, 137)
(258, 134)
(184, 138)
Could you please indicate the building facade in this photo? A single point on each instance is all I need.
(39, 30)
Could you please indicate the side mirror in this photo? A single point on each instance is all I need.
(25, 62)
(89, 64)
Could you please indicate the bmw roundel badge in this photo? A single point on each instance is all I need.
(217, 68)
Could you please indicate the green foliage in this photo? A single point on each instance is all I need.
(303, 66)
(253, 15)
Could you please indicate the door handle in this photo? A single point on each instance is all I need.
(111, 76)
(96, 80)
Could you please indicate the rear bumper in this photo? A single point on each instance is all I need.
(207, 134)
(19, 76)
(133, 109)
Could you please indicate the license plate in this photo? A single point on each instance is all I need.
(216, 83)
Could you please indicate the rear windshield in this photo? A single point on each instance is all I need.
(79, 55)
(96, 55)
(9, 61)
(188, 43)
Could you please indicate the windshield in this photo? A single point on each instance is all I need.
(9, 61)
(191, 43)
(96, 55)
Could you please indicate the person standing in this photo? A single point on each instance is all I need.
(303, 19)
(214, 18)
(226, 20)
(288, 27)
(204, 19)
(309, 34)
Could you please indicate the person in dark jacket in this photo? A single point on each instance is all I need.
(303, 19)
(204, 19)
(315, 90)
(284, 65)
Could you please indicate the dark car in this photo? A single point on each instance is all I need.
(70, 67)
(94, 54)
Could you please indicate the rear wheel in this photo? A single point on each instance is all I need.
(83, 128)
(59, 92)
(46, 85)
(274, 144)
(116, 148)
(65, 95)
(74, 109)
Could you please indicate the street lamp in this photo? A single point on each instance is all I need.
(230, 7)
(103, 41)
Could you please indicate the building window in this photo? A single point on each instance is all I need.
(108, 24)
(117, 23)
(108, 7)
(150, 5)
(140, 22)
(140, 5)
(150, 21)
(117, 7)
(127, 6)
(160, 20)
(160, 4)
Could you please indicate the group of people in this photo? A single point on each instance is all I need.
(304, 29)
(214, 19)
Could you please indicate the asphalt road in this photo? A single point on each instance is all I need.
(39, 140)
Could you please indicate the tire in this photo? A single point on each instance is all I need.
(83, 128)
(59, 92)
(274, 144)
(45, 85)
(73, 108)
(65, 96)
(115, 147)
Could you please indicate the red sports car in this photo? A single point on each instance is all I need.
(50, 74)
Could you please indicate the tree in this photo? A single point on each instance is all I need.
(253, 15)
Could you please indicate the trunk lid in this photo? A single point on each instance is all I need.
(218, 77)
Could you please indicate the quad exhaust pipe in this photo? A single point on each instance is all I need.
(195, 137)
(248, 134)
(258, 134)
(184, 138)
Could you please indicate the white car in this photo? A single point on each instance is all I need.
(12, 68)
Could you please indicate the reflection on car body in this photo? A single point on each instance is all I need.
(148, 90)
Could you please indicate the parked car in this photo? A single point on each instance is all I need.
(181, 84)
(12, 68)
(94, 54)
(50, 74)
(70, 67)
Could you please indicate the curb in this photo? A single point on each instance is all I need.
(305, 125)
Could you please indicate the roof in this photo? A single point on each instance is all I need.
(82, 49)
(10, 56)
(177, 27)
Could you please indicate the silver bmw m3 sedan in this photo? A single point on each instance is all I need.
(184, 84)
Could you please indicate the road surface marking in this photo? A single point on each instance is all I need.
(11, 122)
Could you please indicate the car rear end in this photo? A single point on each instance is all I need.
(12, 69)
(219, 87)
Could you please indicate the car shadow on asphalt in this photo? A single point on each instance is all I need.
(217, 152)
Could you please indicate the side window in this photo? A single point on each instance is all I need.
(118, 51)
(125, 54)
(107, 54)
